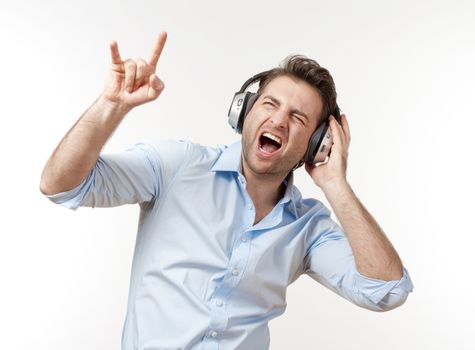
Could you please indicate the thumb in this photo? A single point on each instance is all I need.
(156, 86)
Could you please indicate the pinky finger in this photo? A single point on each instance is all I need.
(335, 129)
(346, 127)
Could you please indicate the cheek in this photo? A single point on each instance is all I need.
(246, 128)
(249, 124)
(247, 133)
(301, 139)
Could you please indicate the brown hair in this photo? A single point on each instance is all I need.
(310, 71)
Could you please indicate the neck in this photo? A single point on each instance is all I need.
(265, 190)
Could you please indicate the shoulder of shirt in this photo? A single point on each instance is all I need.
(317, 221)
(310, 207)
(191, 149)
(185, 143)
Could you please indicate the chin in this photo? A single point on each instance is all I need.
(260, 167)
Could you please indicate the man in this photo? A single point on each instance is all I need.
(223, 231)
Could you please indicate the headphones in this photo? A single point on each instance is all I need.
(319, 146)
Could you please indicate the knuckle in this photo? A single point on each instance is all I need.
(129, 80)
(140, 62)
(130, 63)
(140, 70)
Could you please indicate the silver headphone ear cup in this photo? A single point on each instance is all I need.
(324, 147)
(321, 141)
(314, 143)
(251, 99)
(242, 103)
(235, 110)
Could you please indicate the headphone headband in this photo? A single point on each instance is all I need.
(253, 79)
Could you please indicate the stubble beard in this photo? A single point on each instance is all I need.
(284, 166)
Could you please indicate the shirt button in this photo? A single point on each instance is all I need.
(219, 302)
(243, 239)
(235, 272)
(214, 334)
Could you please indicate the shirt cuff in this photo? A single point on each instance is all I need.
(376, 289)
(72, 199)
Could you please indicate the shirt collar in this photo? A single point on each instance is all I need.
(230, 160)
(290, 194)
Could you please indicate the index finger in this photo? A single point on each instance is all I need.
(115, 55)
(346, 127)
(335, 129)
(157, 50)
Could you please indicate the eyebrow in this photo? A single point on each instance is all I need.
(277, 102)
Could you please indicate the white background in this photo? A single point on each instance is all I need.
(404, 73)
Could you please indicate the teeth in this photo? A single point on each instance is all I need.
(273, 137)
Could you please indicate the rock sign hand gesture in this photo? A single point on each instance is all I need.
(134, 82)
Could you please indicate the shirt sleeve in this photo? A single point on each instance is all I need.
(330, 261)
(136, 175)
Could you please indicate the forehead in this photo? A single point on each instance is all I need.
(295, 93)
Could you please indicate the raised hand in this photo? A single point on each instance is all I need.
(334, 169)
(134, 82)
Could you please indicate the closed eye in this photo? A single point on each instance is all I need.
(299, 118)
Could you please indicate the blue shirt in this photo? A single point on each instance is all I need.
(203, 275)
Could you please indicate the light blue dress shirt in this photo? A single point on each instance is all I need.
(203, 275)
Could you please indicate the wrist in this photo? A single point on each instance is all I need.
(337, 186)
(110, 110)
(112, 107)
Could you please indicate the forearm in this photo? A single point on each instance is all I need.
(374, 254)
(79, 150)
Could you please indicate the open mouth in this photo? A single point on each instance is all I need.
(269, 143)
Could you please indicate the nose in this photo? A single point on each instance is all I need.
(279, 119)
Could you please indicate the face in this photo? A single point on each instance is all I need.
(277, 129)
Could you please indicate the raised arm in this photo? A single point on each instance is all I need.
(374, 254)
(130, 84)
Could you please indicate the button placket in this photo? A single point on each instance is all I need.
(239, 256)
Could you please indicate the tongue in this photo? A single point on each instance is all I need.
(269, 147)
